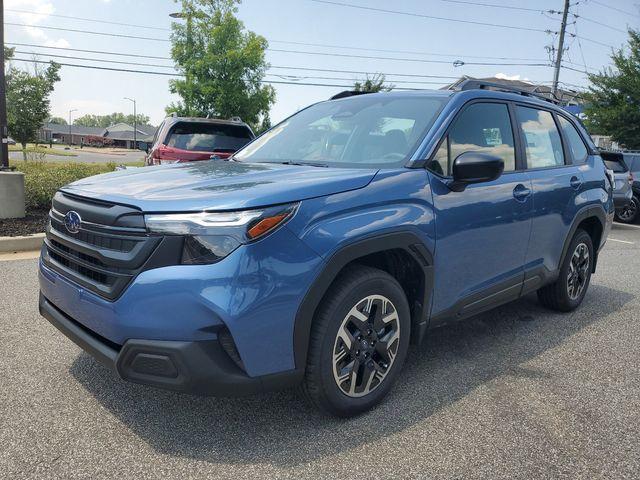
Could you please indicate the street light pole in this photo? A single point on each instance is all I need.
(70, 112)
(135, 123)
(4, 149)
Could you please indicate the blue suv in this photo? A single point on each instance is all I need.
(322, 249)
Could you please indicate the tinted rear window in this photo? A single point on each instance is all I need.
(616, 166)
(207, 137)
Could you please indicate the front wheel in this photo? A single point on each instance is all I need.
(630, 213)
(359, 341)
(567, 292)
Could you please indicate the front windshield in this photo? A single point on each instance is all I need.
(377, 131)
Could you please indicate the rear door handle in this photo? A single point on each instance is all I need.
(575, 182)
(520, 192)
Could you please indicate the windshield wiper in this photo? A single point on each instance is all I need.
(310, 164)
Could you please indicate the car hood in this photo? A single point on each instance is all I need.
(218, 185)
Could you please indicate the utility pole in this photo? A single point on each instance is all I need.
(4, 130)
(70, 112)
(135, 123)
(563, 27)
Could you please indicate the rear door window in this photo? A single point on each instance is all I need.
(208, 137)
(543, 146)
(574, 141)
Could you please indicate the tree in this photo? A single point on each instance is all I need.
(28, 101)
(612, 103)
(223, 65)
(57, 121)
(104, 121)
(373, 84)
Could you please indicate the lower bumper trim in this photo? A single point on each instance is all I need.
(199, 368)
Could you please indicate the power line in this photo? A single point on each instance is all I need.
(70, 57)
(85, 19)
(614, 8)
(465, 2)
(282, 67)
(419, 60)
(292, 42)
(103, 52)
(167, 74)
(586, 19)
(97, 60)
(89, 32)
(433, 17)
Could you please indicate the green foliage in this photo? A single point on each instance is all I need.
(223, 64)
(104, 121)
(28, 100)
(613, 100)
(373, 84)
(43, 179)
(58, 121)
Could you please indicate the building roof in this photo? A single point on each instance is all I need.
(119, 131)
(124, 131)
(75, 129)
(566, 97)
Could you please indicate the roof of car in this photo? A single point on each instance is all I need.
(223, 121)
(470, 94)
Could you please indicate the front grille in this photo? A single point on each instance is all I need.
(103, 257)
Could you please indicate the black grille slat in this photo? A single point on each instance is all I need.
(102, 258)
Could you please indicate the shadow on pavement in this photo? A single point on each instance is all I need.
(281, 428)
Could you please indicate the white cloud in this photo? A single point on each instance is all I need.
(504, 76)
(32, 13)
(60, 43)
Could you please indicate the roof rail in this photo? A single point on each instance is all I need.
(476, 84)
(347, 93)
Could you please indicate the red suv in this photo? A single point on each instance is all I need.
(181, 139)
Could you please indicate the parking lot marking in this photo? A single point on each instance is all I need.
(625, 225)
(621, 241)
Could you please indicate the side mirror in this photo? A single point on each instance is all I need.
(475, 167)
(144, 146)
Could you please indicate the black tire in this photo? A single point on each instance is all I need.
(352, 287)
(561, 295)
(631, 213)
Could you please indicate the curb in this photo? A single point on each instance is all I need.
(21, 244)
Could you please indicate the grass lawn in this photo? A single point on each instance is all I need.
(41, 149)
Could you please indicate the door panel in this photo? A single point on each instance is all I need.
(482, 235)
(557, 185)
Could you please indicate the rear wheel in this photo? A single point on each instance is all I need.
(567, 292)
(359, 342)
(629, 214)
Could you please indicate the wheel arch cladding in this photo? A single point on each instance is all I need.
(402, 254)
(593, 220)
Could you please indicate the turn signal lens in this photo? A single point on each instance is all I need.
(264, 225)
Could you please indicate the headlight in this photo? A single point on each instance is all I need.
(211, 236)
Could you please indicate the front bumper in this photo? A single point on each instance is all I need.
(196, 367)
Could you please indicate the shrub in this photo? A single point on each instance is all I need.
(43, 179)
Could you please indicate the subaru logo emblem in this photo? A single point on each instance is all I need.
(72, 221)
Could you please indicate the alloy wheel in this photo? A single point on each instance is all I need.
(366, 346)
(628, 213)
(578, 271)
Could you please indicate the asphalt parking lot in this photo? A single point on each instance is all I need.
(519, 392)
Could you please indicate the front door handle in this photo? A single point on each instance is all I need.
(575, 182)
(520, 192)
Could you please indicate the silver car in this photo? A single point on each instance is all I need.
(622, 189)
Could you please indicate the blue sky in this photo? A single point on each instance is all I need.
(360, 32)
